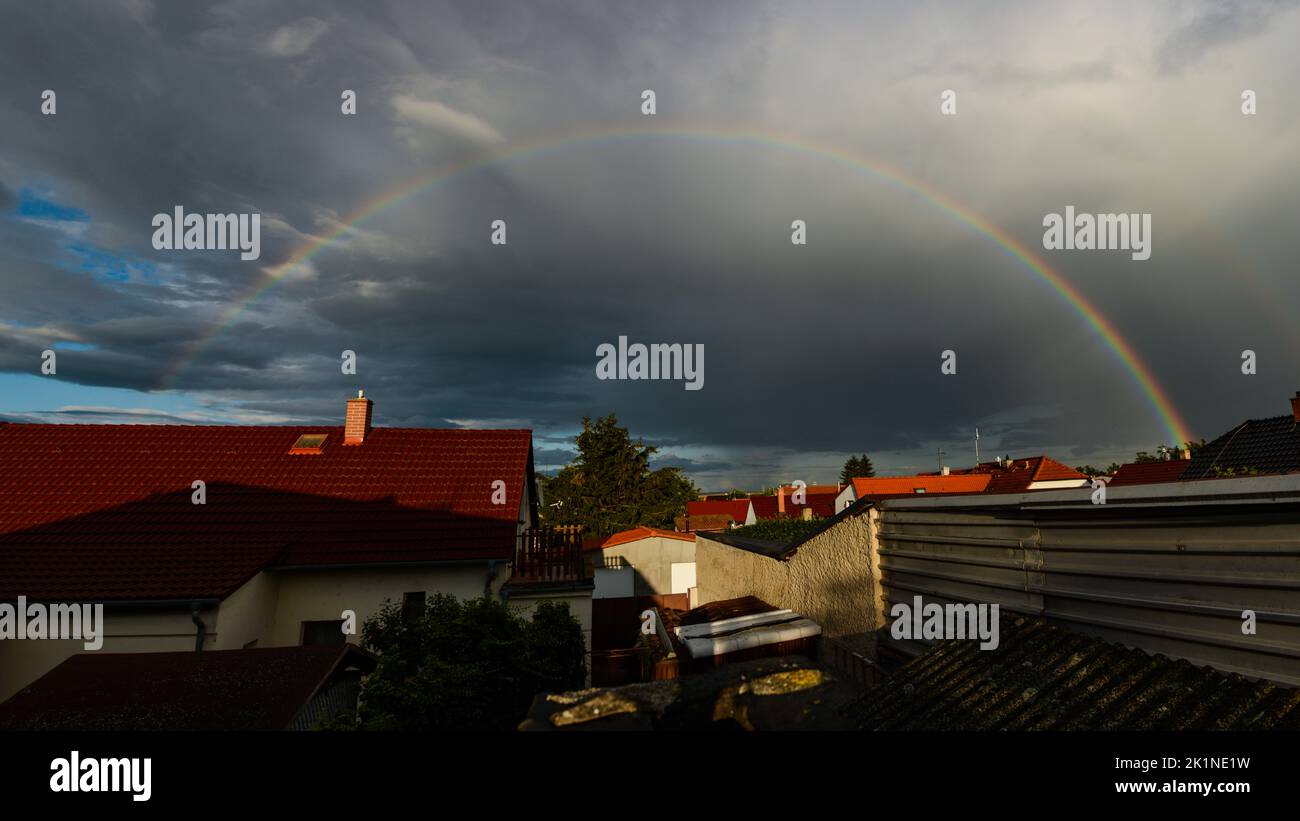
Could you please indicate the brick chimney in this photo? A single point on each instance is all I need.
(780, 499)
(356, 424)
(1295, 406)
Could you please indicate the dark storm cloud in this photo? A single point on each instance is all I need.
(1215, 25)
(811, 352)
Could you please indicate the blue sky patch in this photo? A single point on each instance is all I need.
(34, 206)
(110, 266)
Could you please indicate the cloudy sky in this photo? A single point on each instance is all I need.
(675, 229)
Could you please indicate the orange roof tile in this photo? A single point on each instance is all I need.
(638, 533)
(932, 484)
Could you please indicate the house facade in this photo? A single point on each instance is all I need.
(644, 561)
(235, 537)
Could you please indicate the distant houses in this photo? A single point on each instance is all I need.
(1256, 447)
(1003, 475)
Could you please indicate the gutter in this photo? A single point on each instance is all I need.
(198, 621)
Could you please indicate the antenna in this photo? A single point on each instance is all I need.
(940, 454)
(977, 447)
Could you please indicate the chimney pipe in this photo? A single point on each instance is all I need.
(356, 422)
(1295, 406)
(780, 499)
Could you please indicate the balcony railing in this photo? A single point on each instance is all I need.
(549, 555)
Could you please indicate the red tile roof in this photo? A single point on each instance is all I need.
(768, 507)
(1050, 470)
(638, 533)
(968, 483)
(104, 511)
(1149, 473)
(1018, 474)
(737, 509)
(254, 689)
(1021, 473)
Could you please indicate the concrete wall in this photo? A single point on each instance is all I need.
(615, 583)
(652, 560)
(247, 615)
(831, 579)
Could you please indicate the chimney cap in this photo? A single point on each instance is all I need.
(361, 394)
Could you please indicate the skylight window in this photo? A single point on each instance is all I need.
(308, 443)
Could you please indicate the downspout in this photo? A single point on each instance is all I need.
(198, 622)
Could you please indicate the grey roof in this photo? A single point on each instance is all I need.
(1043, 677)
(1266, 445)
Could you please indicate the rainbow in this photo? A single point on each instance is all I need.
(1176, 428)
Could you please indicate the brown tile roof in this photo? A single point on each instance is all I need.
(725, 609)
(255, 689)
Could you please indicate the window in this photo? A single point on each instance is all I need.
(308, 443)
(918, 490)
(323, 632)
(412, 606)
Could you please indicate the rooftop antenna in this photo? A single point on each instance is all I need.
(977, 447)
(941, 454)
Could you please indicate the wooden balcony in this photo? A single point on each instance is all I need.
(549, 556)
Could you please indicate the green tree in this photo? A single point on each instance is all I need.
(856, 466)
(464, 665)
(610, 487)
(1193, 446)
